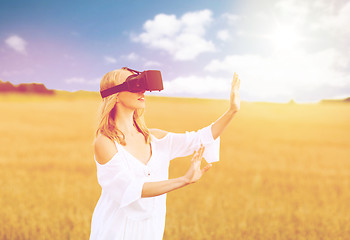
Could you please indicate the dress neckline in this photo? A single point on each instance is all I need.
(138, 160)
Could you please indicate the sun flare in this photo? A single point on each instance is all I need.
(285, 38)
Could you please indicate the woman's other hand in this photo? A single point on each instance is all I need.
(234, 96)
(195, 172)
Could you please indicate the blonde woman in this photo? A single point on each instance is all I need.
(132, 162)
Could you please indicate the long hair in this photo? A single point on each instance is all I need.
(108, 109)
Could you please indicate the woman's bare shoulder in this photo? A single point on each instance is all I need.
(104, 149)
(158, 133)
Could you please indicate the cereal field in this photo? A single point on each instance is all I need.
(284, 171)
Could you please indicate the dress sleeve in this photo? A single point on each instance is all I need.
(119, 182)
(184, 144)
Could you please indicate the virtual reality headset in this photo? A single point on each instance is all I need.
(150, 80)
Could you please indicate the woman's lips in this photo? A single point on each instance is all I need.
(141, 99)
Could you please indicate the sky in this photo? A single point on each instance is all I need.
(281, 50)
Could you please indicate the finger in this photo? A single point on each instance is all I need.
(235, 78)
(236, 84)
(206, 168)
(195, 156)
(200, 148)
(201, 151)
(200, 158)
(198, 165)
(235, 75)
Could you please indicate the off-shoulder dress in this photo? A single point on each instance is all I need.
(120, 212)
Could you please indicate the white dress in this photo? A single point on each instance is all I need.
(120, 212)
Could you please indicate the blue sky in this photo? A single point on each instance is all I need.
(282, 50)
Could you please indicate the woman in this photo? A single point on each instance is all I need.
(132, 163)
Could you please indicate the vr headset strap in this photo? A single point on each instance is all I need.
(131, 70)
(121, 87)
(115, 89)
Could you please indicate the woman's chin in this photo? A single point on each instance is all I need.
(141, 105)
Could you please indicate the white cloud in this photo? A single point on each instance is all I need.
(182, 38)
(109, 59)
(297, 49)
(17, 43)
(337, 24)
(230, 18)
(132, 56)
(283, 75)
(297, 11)
(288, 49)
(152, 64)
(81, 80)
(75, 80)
(223, 35)
(323, 23)
(196, 85)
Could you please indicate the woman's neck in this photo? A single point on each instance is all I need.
(125, 121)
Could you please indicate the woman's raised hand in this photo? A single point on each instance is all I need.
(195, 172)
(234, 96)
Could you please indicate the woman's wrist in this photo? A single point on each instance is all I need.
(232, 111)
(184, 180)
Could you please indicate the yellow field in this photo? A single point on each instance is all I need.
(284, 171)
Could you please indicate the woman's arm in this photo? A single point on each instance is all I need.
(152, 189)
(219, 125)
(119, 181)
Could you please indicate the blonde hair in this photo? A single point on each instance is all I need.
(108, 108)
